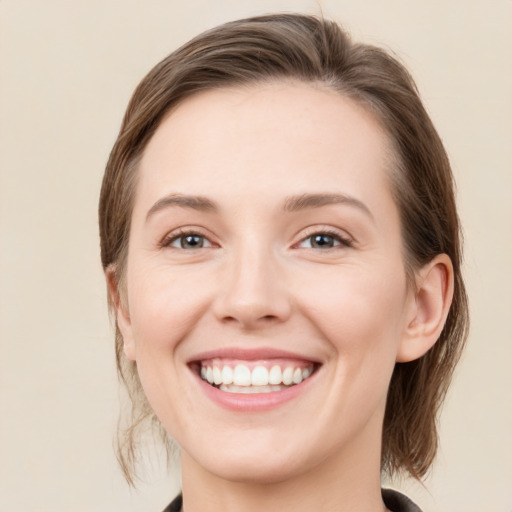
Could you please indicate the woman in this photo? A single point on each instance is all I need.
(281, 246)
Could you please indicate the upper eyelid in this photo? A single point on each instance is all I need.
(302, 235)
(342, 243)
(319, 229)
(181, 232)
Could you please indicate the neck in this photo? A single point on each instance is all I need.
(345, 482)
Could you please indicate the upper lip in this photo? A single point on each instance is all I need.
(250, 354)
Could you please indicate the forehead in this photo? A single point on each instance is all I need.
(265, 138)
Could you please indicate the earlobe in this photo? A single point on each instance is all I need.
(433, 298)
(121, 312)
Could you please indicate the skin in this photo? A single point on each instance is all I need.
(259, 281)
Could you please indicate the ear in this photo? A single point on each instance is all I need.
(431, 303)
(122, 314)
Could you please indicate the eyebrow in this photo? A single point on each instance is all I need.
(291, 204)
(199, 203)
(305, 201)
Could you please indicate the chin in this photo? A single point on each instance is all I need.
(247, 471)
(248, 461)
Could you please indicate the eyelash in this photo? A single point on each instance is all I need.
(182, 233)
(344, 242)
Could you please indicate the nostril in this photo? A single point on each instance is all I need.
(251, 307)
(250, 321)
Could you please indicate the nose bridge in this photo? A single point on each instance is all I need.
(252, 291)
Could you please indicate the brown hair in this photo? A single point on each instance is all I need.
(311, 50)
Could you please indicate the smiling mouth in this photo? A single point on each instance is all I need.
(252, 377)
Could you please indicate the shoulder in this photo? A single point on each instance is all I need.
(398, 502)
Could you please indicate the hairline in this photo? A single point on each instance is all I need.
(393, 163)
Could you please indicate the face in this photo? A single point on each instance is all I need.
(266, 296)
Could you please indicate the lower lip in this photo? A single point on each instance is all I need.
(253, 401)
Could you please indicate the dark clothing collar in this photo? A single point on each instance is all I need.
(395, 501)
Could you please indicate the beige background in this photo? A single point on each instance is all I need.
(67, 70)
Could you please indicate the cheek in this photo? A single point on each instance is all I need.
(359, 311)
(164, 306)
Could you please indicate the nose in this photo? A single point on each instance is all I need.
(252, 292)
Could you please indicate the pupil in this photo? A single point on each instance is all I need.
(191, 241)
(322, 241)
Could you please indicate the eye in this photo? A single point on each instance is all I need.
(324, 240)
(187, 241)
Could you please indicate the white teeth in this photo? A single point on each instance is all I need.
(217, 377)
(259, 376)
(242, 376)
(247, 390)
(297, 376)
(288, 376)
(227, 375)
(275, 375)
(260, 379)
